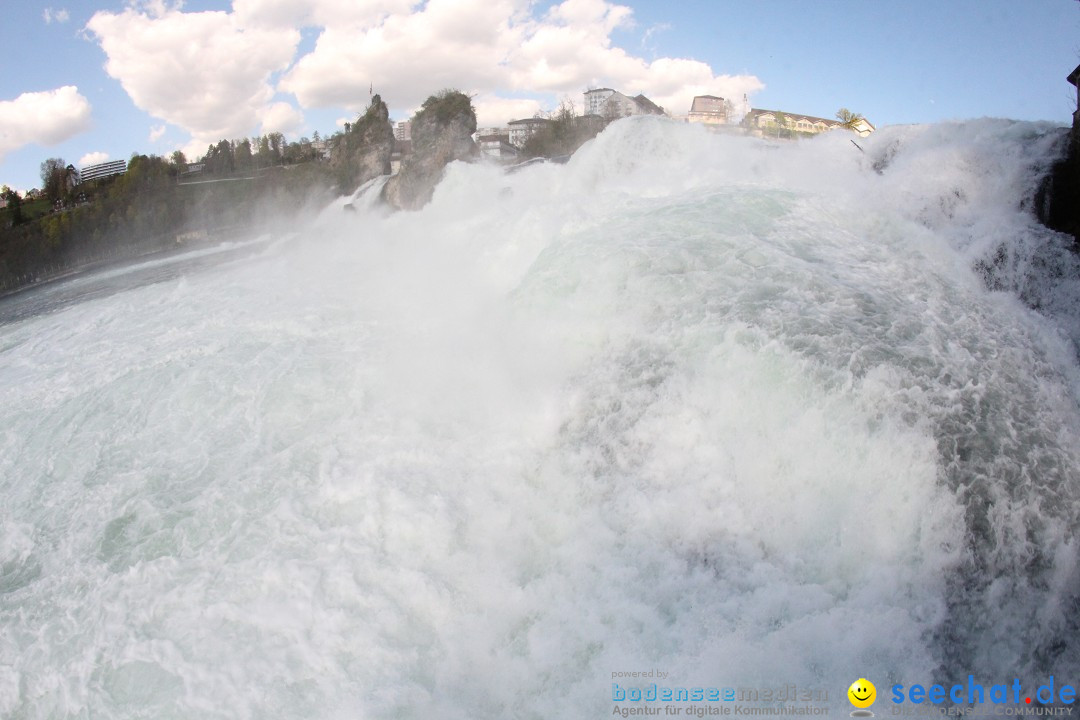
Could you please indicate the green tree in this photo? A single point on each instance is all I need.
(14, 204)
(564, 134)
(848, 119)
(781, 123)
(277, 143)
(53, 174)
(219, 158)
(242, 155)
(179, 161)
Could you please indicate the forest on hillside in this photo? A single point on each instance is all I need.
(157, 204)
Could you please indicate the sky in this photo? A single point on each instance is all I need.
(95, 80)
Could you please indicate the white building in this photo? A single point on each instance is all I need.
(595, 99)
(403, 131)
(105, 169)
(612, 104)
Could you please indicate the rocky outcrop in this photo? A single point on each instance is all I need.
(1058, 199)
(441, 133)
(363, 151)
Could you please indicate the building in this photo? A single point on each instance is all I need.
(522, 130)
(612, 104)
(403, 131)
(102, 170)
(776, 123)
(708, 109)
(863, 127)
(397, 155)
(595, 99)
(497, 145)
(322, 147)
(1074, 78)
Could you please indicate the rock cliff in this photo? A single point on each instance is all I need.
(1058, 199)
(441, 133)
(363, 151)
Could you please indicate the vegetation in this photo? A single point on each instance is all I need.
(564, 134)
(444, 106)
(240, 183)
(364, 149)
(441, 133)
(848, 119)
(146, 209)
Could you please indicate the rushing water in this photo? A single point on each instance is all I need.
(750, 414)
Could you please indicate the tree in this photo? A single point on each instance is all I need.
(53, 175)
(243, 155)
(179, 161)
(848, 119)
(565, 132)
(781, 123)
(219, 158)
(277, 143)
(14, 204)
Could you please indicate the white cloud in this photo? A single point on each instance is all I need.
(219, 74)
(407, 56)
(156, 132)
(491, 47)
(492, 110)
(46, 118)
(281, 117)
(320, 13)
(93, 158)
(201, 71)
(59, 16)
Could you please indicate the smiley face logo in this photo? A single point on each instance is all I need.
(862, 693)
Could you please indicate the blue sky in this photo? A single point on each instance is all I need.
(103, 79)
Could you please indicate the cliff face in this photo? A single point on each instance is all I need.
(1058, 200)
(441, 133)
(364, 151)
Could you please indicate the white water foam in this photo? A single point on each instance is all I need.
(746, 413)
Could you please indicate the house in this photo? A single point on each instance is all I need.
(522, 130)
(708, 109)
(1074, 78)
(497, 145)
(322, 148)
(612, 104)
(863, 127)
